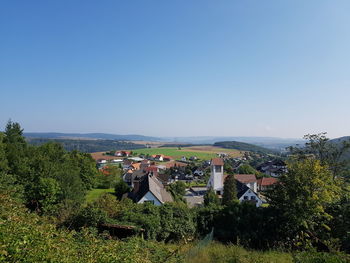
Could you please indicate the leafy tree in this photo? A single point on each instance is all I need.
(87, 168)
(301, 199)
(228, 168)
(177, 222)
(177, 190)
(108, 177)
(328, 153)
(230, 190)
(211, 198)
(121, 188)
(246, 169)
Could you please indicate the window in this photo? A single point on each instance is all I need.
(150, 201)
(218, 192)
(246, 198)
(217, 168)
(252, 198)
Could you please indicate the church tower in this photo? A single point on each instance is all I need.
(216, 180)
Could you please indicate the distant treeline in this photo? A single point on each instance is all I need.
(183, 145)
(242, 146)
(88, 145)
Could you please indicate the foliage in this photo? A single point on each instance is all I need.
(211, 198)
(108, 177)
(242, 146)
(87, 146)
(177, 190)
(217, 252)
(328, 153)
(246, 169)
(230, 190)
(94, 194)
(26, 237)
(121, 188)
(301, 199)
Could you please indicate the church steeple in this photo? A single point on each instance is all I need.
(216, 180)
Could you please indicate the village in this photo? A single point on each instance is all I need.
(149, 176)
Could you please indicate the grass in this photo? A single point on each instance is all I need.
(201, 153)
(93, 194)
(216, 252)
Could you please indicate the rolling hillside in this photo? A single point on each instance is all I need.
(89, 146)
(242, 146)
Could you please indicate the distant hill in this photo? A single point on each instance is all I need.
(89, 145)
(96, 136)
(273, 143)
(340, 141)
(242, 146)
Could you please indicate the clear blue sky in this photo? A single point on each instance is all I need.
(176, 68)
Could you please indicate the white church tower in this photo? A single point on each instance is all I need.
(216, 180)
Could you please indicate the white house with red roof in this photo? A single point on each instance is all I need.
(249, 180)
(266, 183)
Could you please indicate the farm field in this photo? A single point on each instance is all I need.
(201, 152)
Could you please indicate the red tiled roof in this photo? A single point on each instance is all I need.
(151, 169)
(267, 181)
(217, 161)
(245, 178)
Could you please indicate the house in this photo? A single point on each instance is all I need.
(216, 180)
(152, 168)
(175, 164)
(101, 161)
(266, 183)
(135, 166)
(245, 194)
(249, 180)
(127, 164)
(183, 158)
(273, 168)
(122, 153)
(194, 196)
(198, 172)
(193, 158)
(148, 189)
(167, 158)
(161, 158)
(136, 159)
(145, 164)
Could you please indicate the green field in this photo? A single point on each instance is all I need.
(203, 153)
(93, 194)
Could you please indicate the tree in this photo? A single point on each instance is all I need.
(301, 199)
(246, 169)
(3, 159)
(230, 190)
(177, 190)
(228, 168)
(121, 188)
(331, 154)
(16, 150)
(210, 198)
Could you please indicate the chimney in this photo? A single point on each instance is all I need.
(136, 185)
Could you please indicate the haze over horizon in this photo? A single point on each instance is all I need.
(176, 69)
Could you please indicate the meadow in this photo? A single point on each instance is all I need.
(94, 194)
(201, 152)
